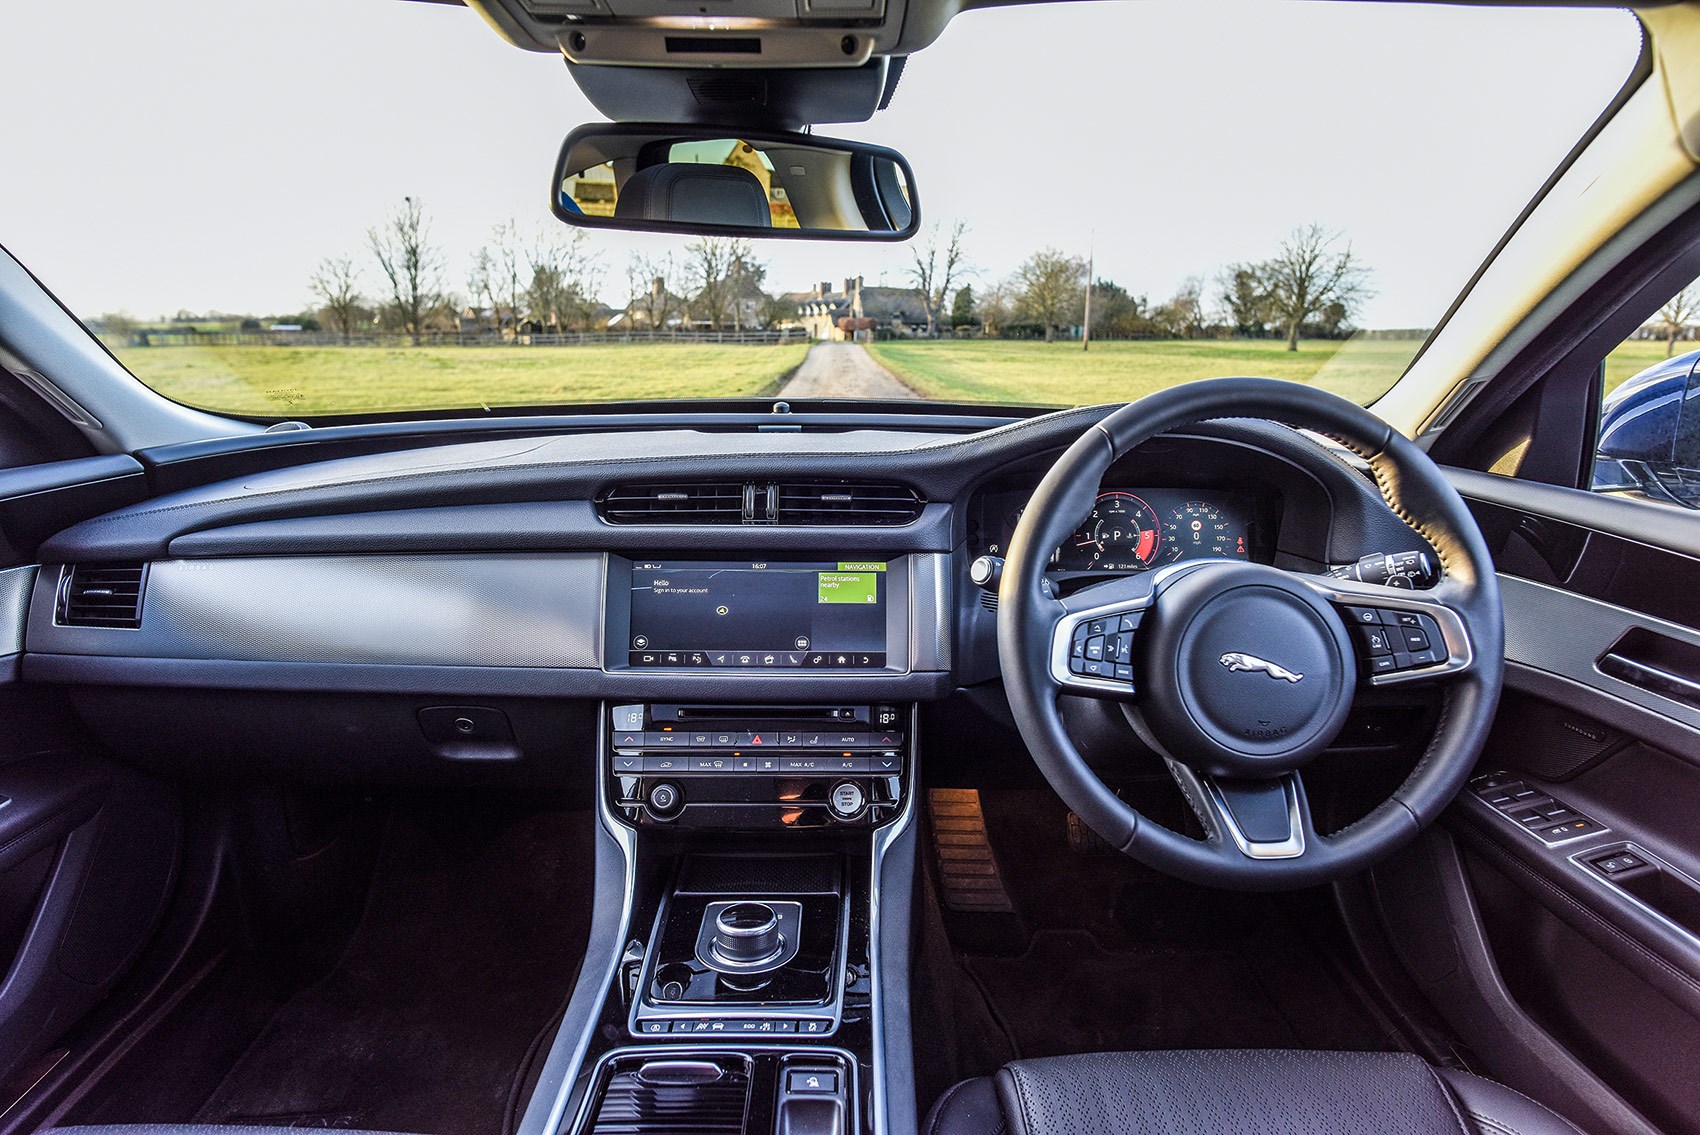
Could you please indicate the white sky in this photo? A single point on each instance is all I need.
(194, 154)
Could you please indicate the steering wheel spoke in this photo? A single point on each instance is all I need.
(1092, 640)
(1254, 819)
(1400, 636)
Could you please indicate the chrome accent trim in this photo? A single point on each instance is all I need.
(1617, 847)
(882, 840)
(1241, 663)
(626, 839)
(1460, 654)
(1062, 632)
(1290, 848)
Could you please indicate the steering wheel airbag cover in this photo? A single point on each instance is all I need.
(1248, 673)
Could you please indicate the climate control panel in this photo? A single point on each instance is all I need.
(757, 767)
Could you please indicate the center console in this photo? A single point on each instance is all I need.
(744, 1000)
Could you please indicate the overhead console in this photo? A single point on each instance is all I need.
(759, 33)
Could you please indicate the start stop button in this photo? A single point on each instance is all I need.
(847, 799)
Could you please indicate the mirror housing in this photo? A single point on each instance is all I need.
(708, 181)
(1649, 435)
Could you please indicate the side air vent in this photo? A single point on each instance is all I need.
(102, 595)
(650, 1096)
(713, 502)
(845, 503)
(863, 503)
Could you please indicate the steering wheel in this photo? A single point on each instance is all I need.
(1239, 674)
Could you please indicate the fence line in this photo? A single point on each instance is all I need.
(187, 338)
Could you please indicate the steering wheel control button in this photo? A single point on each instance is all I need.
(1375, 640)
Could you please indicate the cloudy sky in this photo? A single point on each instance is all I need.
(205, 155)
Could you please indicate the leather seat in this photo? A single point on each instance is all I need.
(684, 191)
(1237, 1092)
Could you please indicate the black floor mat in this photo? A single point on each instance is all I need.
(1068, 994)
(1119, 957)
(467, 949)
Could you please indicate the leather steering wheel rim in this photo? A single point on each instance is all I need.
(1414, 489)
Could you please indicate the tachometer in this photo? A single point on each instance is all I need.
(1122, 534)
(1199, 530)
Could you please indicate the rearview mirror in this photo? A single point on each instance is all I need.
(692, 179)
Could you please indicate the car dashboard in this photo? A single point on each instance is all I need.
(824, 562)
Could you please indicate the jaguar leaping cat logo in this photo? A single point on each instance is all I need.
(1248, 662)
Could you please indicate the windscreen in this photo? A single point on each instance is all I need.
(327, 209)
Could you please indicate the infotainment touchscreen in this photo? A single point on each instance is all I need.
(815, 615)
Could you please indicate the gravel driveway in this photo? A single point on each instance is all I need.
(842, 370)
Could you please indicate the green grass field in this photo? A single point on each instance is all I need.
(307, 381)
(1063, 374)
(1635, 356)
(285, 381)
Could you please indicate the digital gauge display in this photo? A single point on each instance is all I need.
(1135, 531)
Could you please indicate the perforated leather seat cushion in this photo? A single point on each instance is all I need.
(1237, 1092)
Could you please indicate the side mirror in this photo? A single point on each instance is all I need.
(1649, 438)
(689, 179)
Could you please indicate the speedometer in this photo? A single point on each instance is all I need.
(1199, 530)
(1122, 534)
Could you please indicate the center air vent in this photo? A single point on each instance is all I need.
(846, 503)
(102, 595)
(713, 502)
(851, 504)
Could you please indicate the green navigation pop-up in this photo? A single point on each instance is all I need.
(849, 587)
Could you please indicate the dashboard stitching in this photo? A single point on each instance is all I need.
(1374, 460)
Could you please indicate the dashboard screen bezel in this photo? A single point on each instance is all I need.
(617, 614)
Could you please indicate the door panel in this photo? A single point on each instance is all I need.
(88, 850)
(1574, 859)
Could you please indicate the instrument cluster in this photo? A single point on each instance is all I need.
(1137, 529)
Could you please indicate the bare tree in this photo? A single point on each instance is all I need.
(651, 282)
(1677, 316)
(1050, 288)
(1184, 313)
(992, 306)
(717, 270)
(1310, 272)
(482, 281)
(336, 285)
(411, 264)
(936, 269)
(562, 284)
